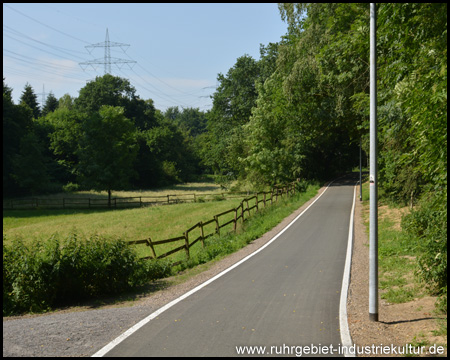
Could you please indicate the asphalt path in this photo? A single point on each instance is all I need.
(284, 298)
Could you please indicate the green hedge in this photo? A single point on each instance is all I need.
(53, 273)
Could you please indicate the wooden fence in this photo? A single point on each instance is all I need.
(116, 203)
(242, 212)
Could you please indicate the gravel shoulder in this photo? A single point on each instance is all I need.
(412, 323)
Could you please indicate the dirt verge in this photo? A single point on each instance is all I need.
(412, 323)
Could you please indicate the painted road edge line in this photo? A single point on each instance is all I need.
(346, 339)
(153, 315)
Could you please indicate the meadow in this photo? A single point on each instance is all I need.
(156, 222)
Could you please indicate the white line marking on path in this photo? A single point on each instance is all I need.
(153, 315)
(346, 339)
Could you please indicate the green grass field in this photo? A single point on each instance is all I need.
(128, 224)
(157, 222)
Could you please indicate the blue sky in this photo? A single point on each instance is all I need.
(179, 48)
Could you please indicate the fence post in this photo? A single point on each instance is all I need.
(149, 242)
(216, 218)
(168, 201)
(257, 207)
(264, 199)
(242, 210)
(235, 218)
(186, 244)
(203, 235)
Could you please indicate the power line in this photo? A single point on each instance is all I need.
(34, 61)
(41, 23)
(106, 61)
(58, 48)
(50, 70)
(40, 49)
(162, 93)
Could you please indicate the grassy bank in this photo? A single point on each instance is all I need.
(398, 256)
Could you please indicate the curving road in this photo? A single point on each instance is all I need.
(285, 296)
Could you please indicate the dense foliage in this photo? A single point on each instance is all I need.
(323, 75)
(58, 272)
(105, 139)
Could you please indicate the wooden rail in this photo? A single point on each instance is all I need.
(116, 203)
(241, 209)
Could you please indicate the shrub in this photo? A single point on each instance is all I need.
(54, 273)
(427, 227)
(71, 187)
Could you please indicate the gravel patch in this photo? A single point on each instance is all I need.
(78, 333)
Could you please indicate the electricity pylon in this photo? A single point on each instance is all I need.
(44, 94)
(107, 60)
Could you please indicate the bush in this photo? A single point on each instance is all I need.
(58, 273)
(71, 187)
(427, 227)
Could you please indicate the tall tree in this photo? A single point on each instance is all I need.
(17, 121)
(107, 150)
(232, 105)
(51, 104)
(30, 166)
(115, 91)
(29, 98)
(66, 101)
(190, 120)
(171, 147)
(64, 139)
